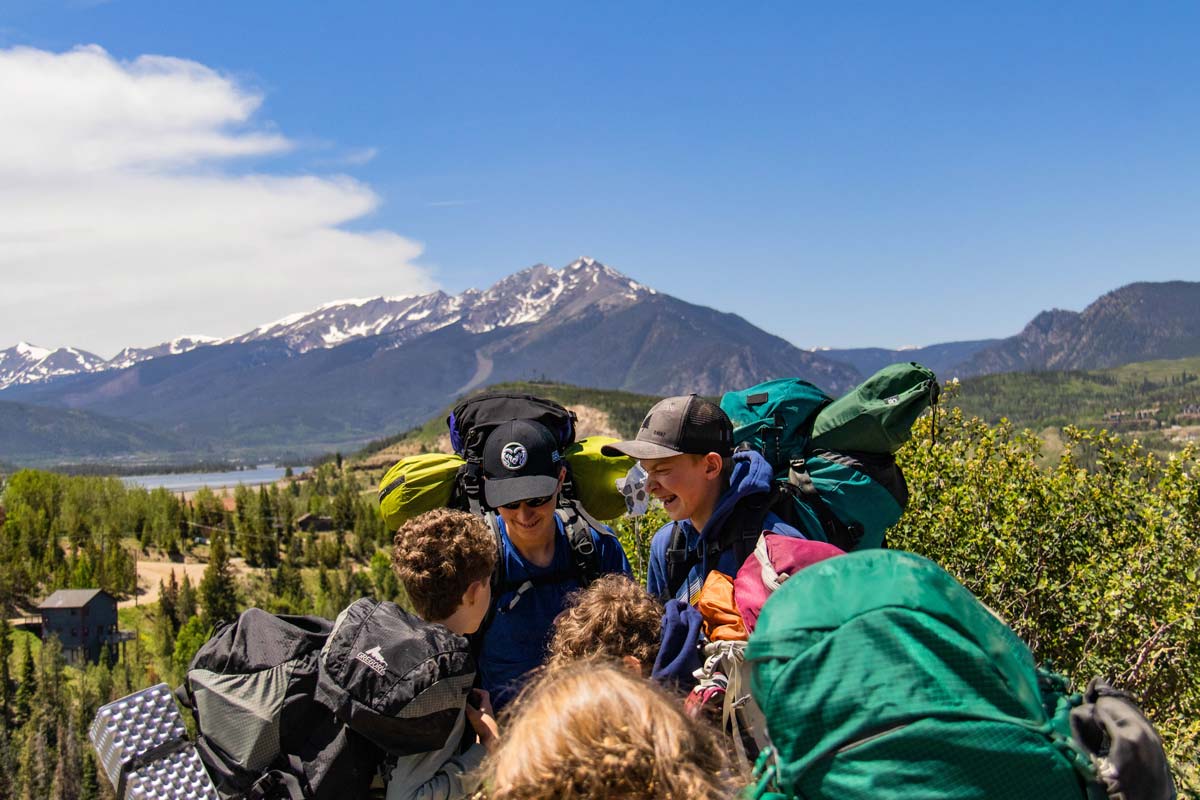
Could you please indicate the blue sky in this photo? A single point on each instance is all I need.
(843, 175)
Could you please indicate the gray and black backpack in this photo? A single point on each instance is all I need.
(297, 707)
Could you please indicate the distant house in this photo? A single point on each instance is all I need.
(84, 620)
(311, 522)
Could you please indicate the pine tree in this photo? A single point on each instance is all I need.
(35, 772)
(27, 683)
(89, 785)
(268, 546)
(218, 594)
(6, 649)
(168, 601)
(68, 772)
(185, 607)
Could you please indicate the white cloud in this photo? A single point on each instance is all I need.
(118, 225)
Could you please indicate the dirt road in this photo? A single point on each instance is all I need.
(151, 572)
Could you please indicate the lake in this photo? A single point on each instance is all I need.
(191, 481)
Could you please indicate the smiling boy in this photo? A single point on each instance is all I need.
(685, 445)
(523, 471)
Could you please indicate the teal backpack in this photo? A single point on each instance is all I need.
(834, 458)
(882, 678)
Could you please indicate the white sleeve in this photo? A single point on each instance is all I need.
(438, 774)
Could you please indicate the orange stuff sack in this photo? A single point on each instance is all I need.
(722, 620)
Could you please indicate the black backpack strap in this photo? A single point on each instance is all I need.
(680, 561)
(278, 783)
(581, 529)
(837, 533)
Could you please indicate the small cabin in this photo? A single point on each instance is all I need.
(310, 523)
(84, 620)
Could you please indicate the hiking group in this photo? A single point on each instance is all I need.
(778, 648)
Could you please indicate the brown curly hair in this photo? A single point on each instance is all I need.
(613, 617)
(592, 729)
(438, 555)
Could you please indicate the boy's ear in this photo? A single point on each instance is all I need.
(713, 464)
(474, 594)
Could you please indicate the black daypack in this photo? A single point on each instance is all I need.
(301, 708)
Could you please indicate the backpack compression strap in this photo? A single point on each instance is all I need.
(800, 486)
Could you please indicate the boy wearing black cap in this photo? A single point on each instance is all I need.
(523, 472)
(685, 445)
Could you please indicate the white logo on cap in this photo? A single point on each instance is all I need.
(514, 455)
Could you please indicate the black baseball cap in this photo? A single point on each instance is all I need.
(521, 461)
(685, 424)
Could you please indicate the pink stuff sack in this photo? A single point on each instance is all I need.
(774, 560)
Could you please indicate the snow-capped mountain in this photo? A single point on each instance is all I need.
(528, 296)
(27, 363)
(353, 370)
(133, 355)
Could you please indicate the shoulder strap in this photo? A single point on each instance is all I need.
(680, 560)
(581, 529)
(739, 531)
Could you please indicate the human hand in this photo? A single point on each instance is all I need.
(483, 718)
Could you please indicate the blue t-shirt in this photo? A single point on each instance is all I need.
(515, 642)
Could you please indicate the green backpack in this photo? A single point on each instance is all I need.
(882, 678)
(848, 494)
(877, 417)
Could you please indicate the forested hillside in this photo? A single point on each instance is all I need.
(1159, 400)
(1094, 561)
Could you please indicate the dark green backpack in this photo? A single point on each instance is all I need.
(848, 495)
(882, 678)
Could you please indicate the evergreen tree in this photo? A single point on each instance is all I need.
(168, 601)
(89, 785)
(343, 507)
(68, 773)
(27, 683)
(268, 546)
(35, 772)
(51, 680)
(185, 606)
(218, 594)
(6, 649)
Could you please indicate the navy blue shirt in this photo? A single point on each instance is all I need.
(515, 643)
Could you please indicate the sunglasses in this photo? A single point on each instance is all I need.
(533, 502)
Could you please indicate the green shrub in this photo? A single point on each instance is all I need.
(1094, 561)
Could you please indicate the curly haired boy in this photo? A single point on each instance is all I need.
(445, 560)
(612, 618)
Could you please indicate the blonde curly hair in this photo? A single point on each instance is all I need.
(613, 617)
(592, 729)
